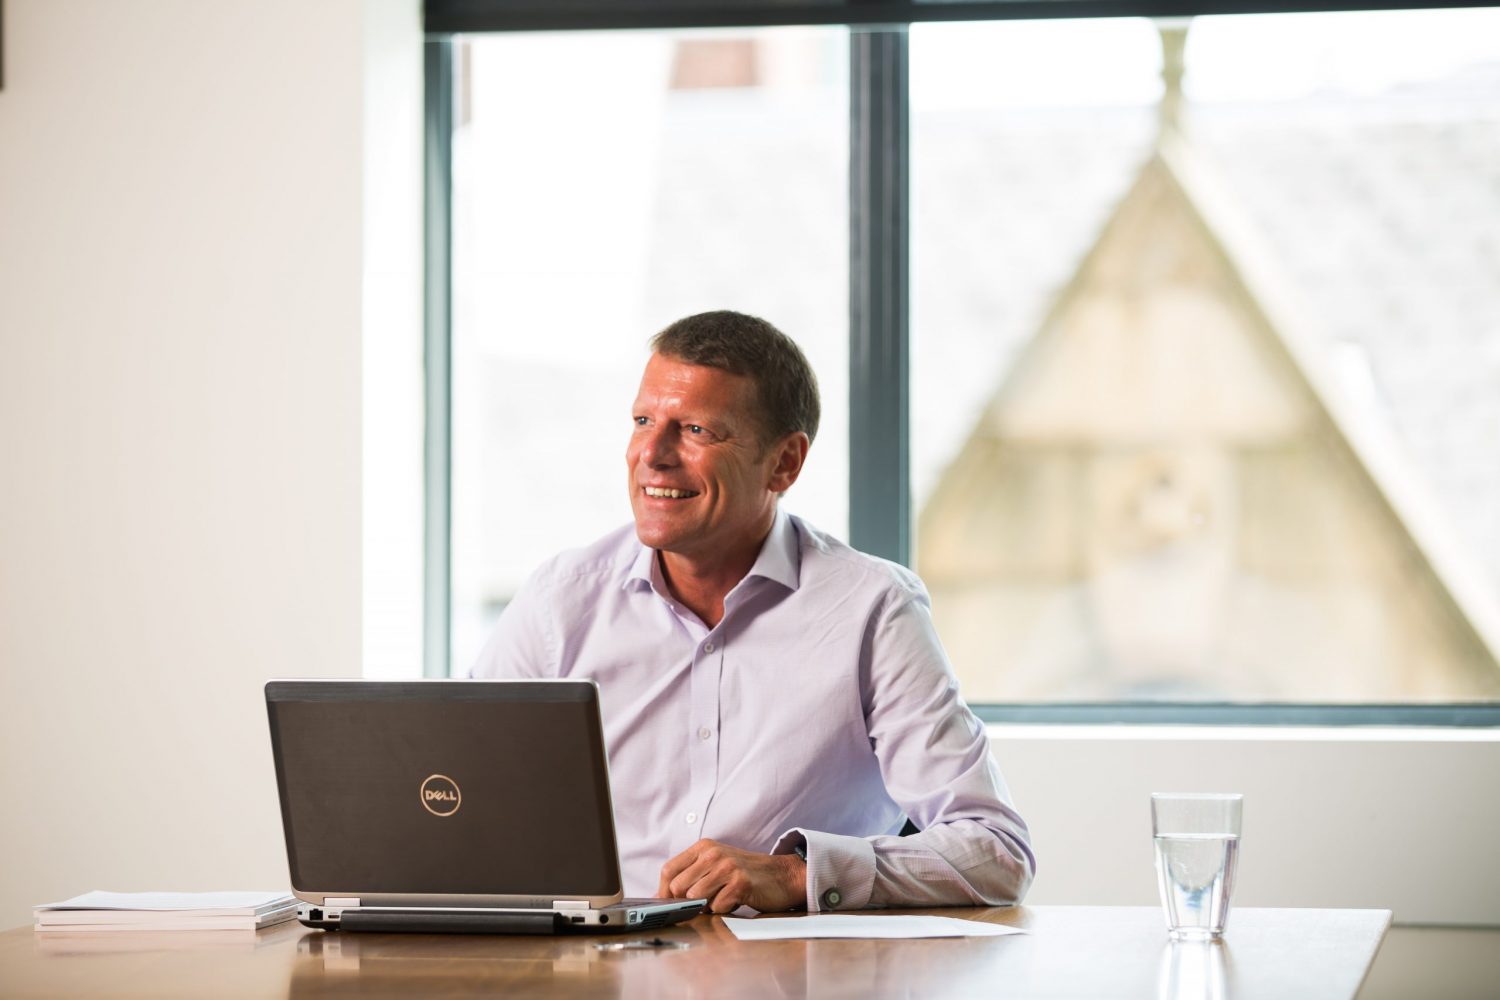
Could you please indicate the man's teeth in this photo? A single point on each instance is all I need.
(657, 491)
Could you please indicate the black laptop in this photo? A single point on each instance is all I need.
(477, 807)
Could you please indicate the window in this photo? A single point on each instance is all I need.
(1200, 348)
(1203, 333)
(605, 184)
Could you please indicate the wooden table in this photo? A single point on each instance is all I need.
(1071, 951)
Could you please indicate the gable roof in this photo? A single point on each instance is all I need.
(1179, 180)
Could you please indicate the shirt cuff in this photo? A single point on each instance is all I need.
(840, 870)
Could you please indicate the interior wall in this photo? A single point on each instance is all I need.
(1398, 819)
(392, 508)
(181, 255)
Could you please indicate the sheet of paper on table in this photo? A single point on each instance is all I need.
(848, 925)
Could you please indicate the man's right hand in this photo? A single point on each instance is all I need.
(729, 878)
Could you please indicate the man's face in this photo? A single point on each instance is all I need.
(701, 483)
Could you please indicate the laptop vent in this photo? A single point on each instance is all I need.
(652, 921)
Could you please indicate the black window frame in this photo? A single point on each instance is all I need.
(880, 514)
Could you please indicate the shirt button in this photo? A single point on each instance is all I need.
(832, 898)
(691, 818)
(705, 733)
(708, 647)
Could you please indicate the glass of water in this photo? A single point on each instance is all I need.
(1197, 844)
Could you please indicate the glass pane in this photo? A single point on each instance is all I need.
(606, 184)
(1206, 356)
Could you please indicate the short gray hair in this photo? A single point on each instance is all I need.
(786, 388)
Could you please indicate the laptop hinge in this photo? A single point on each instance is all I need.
(340, 900)
(571, 904)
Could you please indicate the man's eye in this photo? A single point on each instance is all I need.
(639, 421)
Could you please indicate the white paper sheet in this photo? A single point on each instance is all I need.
(849, 925)
(241, 902)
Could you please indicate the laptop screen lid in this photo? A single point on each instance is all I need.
(445, 793)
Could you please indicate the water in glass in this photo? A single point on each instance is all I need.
(1196, 871)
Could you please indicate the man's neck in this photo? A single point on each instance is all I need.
(702, 584)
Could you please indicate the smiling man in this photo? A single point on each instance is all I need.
(777, 706)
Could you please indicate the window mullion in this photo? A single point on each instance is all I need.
(879, 294)
(438, 333)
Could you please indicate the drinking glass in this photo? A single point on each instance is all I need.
(1197, 845)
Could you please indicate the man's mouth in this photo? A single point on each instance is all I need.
(668, 494)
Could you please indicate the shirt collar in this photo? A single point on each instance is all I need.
(780, 559)
(643, 570)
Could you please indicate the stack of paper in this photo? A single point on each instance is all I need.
(166, 911)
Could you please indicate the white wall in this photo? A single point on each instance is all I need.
(1406, 820)
(393, 343)
(182, 247)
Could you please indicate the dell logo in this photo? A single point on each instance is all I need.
(440, 795)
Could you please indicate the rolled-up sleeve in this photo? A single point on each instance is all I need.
(972, 847)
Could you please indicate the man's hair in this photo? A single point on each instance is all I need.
(785, 387)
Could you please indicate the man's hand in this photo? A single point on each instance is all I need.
(729, 878)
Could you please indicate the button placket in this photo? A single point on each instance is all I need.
(702, 748)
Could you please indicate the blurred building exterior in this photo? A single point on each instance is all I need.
(1166, 499)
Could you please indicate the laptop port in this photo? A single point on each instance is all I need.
(604, 918)
(577, 920)
(314, 914)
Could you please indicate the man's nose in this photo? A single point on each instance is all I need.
(660, 447)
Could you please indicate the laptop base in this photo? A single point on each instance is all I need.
(398, 920)
(417, 922)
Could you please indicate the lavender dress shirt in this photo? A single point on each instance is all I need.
(820, 710)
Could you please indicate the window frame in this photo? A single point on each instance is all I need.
(880, 509)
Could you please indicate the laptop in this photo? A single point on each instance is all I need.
(460, 806)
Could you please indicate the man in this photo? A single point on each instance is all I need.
(776, 704)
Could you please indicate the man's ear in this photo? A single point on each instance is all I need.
(790, 452)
